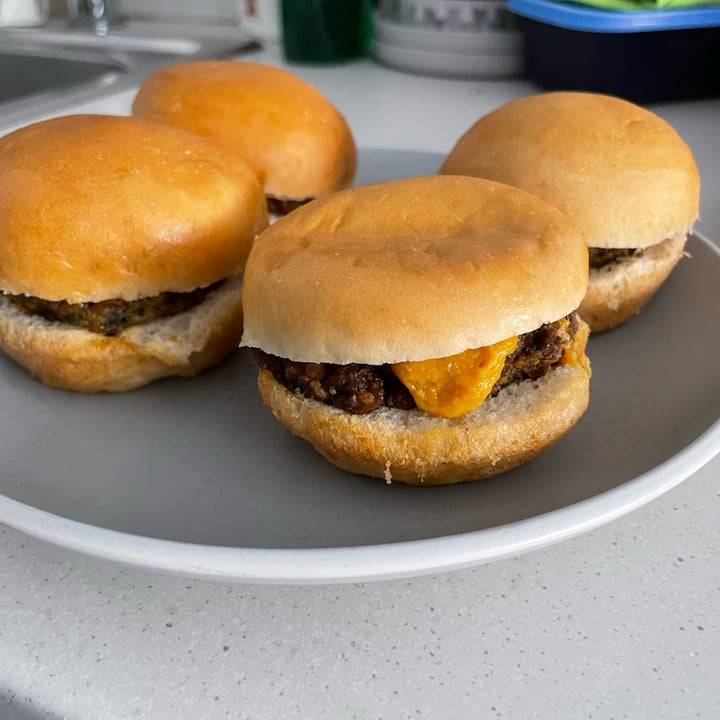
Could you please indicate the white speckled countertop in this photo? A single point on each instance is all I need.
(618, 623)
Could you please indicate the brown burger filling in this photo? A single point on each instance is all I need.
(360, 389)
(600, 257)
(279, 207)
(110, 317)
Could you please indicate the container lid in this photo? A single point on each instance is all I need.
(578, 17)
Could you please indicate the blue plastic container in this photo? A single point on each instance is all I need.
(645, 56)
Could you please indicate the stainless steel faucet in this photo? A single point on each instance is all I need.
(95, 15)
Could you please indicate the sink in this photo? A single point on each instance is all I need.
(26, 74)
(43, 70)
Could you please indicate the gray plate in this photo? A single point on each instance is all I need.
(197, 477)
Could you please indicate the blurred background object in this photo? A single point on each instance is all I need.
(23, 13)
(448, 38)
(95, 15)
(261, 19)
(644, 55)
(320, 31)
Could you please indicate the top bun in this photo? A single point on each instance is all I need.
(293, 138)
(621, 172)
(96, 207)
(410, 269)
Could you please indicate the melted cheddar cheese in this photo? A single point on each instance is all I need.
(455, 385)
(574, 354)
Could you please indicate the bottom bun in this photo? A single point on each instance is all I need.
(413, 447)
(619, 290)
(71, 358)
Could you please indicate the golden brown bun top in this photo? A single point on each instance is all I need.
(290, 134)
(94, 207)
(410, 269)
(620, 171)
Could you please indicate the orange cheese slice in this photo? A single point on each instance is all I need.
(455, 385)
(575, 353)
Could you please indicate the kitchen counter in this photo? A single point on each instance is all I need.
(620, 622)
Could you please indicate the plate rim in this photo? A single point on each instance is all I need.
(363, 563)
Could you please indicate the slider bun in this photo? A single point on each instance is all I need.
(71, 358)
(622, 173)
(410, 446)
(96, 207)
(619, 171)
(410, 269)
(289, 133)
(619, 290)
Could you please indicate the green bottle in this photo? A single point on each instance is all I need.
(325, 31)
